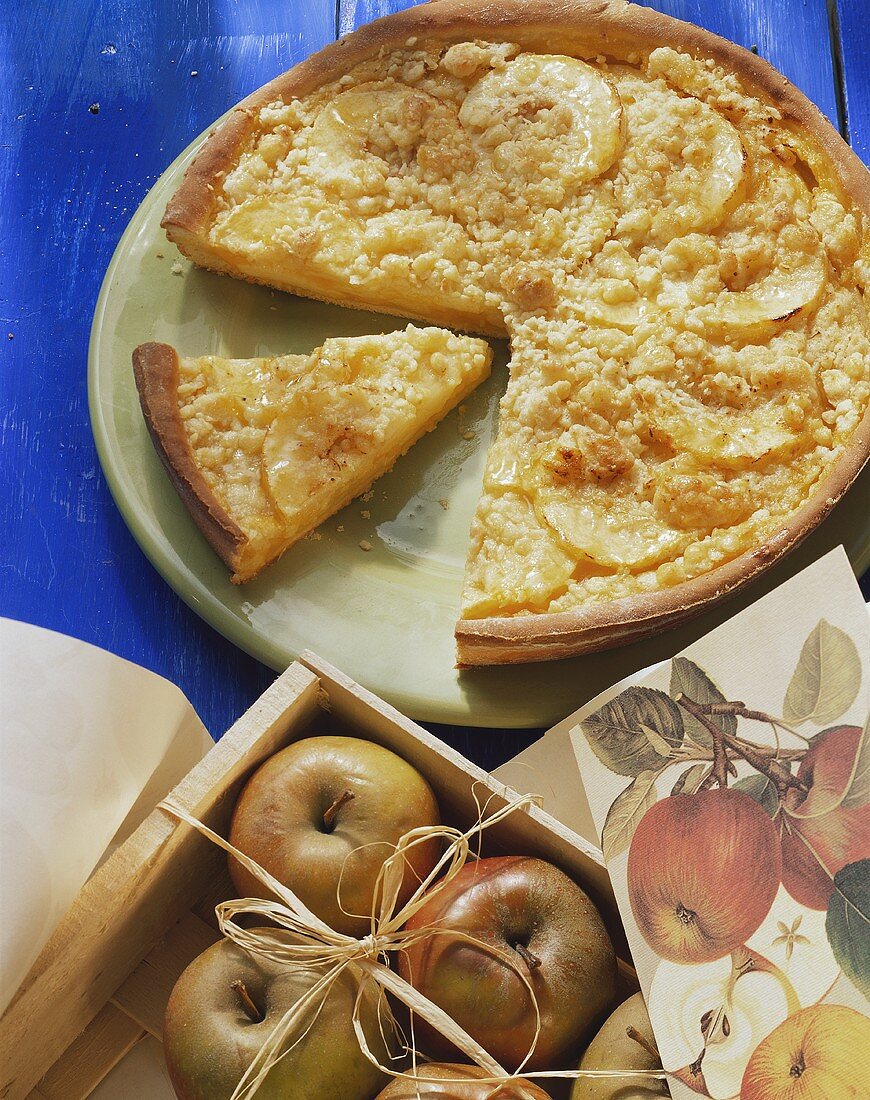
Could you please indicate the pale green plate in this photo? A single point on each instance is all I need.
(385, 617)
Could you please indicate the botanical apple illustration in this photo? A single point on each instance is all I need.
(530, 910)
(457, 1082)
(820, 836)
(794, 939)
(225, 1006)
(725, 1008)
(329, 809)
(625, 1041)
(703, 870)
(820, 1053)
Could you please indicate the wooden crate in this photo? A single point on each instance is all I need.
(103, 979)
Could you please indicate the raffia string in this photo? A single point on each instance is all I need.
(302, 940)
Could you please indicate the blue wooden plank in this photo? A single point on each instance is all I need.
(70, 179)
(793, 36)
(852, 31)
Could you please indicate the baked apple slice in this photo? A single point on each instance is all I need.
(792, 288)
(589, 490)
(370, 132)
(545, 114)
(685, 164)
(729, 438)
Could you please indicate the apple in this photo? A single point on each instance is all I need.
(456, 1082)
(225, 1006)
(820, 1053)
(794, 939)
(703, 870)
(625, 1041)
(711, 1016)
(530, 910)
(819, 836)
(329, 809)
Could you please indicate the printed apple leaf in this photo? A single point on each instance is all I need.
(658, 743)
(618, 732)
(691, 680)
(848, 923)
(761, 789)
(826, 680)
(858, 791)
(624, 815)
(691, 779)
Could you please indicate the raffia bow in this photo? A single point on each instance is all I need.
(303, 940)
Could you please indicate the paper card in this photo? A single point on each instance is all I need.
(89, 744)
(731, 792)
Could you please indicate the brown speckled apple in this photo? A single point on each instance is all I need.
(531, 910)
(329, 808)
(457, 1082)
(223, 1009)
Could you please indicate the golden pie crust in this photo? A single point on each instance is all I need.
(672, 236)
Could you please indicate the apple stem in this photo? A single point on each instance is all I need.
(329, 814)
(633, 1033)
(531, 961)
(251, 1010)
(769, 766)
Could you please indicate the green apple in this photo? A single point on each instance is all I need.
(456, 1082)
(327, 809)
(223, 1009)
(531, 911)
(625, 1041)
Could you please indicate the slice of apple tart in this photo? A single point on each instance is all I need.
(264, 450)
(673, 239)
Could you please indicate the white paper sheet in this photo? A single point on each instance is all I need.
(89, 743)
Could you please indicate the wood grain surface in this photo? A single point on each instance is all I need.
(100, 96)
(851, 41)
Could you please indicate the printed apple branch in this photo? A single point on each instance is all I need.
(767, 765)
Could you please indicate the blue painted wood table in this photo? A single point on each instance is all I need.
(100, 96)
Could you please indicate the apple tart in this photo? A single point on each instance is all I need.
(670, 235)
(264, 450)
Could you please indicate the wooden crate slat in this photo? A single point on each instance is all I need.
(794, 37)
(145, 887)
(144, 995)
(99, 1048)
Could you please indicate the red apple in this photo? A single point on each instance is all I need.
(703, 870)
(225, 1006)
(330, 808)
(819, 836)
(457, 1082)
(555, 936)
(819, 1053)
